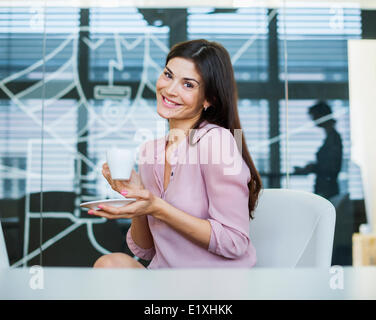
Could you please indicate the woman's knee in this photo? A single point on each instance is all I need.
(117, 260)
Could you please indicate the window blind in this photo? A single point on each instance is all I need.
(20, 147)
(123, 45)
(254, 119)
(316, 41)
(22, 28)
(21, 60)
(244, 33)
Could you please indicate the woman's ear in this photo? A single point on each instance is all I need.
(206, 104)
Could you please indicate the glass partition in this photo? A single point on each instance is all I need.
(76, 81)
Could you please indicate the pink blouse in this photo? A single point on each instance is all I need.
(208, 180)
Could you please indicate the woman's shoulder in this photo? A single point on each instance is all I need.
(209, 131)
(221, 154)
(220, 146)
(219, 136)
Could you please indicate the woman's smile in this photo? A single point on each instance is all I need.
(169, 103)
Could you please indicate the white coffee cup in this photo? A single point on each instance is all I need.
(121, 162)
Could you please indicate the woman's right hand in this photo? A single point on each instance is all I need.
(120, 185)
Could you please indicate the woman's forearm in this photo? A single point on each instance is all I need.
(140, 232)
(195, 229)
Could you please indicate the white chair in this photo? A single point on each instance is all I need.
(4, 260)
(292, 229)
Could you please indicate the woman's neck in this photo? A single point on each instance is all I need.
(179, 129)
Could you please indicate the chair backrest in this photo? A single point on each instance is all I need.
(4, 260)
(293, 229)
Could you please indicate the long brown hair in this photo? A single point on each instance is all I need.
(214, 65)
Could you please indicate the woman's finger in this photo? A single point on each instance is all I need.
(105, 167)
(111, 212)
(136, 179)
(130, 208)
(106, 172)
(137, 193)
(102, 214)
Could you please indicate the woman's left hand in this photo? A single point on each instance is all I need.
(144, 204)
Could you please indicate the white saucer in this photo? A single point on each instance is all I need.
(109, 202)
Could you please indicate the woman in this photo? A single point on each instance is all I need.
(193, 205)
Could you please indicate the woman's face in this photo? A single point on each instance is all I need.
(180, 91)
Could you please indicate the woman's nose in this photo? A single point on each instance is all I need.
(172, 88)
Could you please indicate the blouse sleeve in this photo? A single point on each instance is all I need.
(226, 178)
(146, 254)
(143, 160)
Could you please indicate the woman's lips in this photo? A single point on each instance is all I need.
(169, 103)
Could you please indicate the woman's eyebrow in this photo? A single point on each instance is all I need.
(169, 70)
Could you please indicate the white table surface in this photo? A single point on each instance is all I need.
(188, 284)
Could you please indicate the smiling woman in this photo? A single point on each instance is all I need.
(180, 98)
(196, 214)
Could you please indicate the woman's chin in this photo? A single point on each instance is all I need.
(163, 116)
(165, 113)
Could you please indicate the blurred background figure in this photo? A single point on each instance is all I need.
(328, 157)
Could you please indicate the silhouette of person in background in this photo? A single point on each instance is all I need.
(328, 157)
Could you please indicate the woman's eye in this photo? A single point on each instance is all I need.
(188, 85)
(167, 74)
